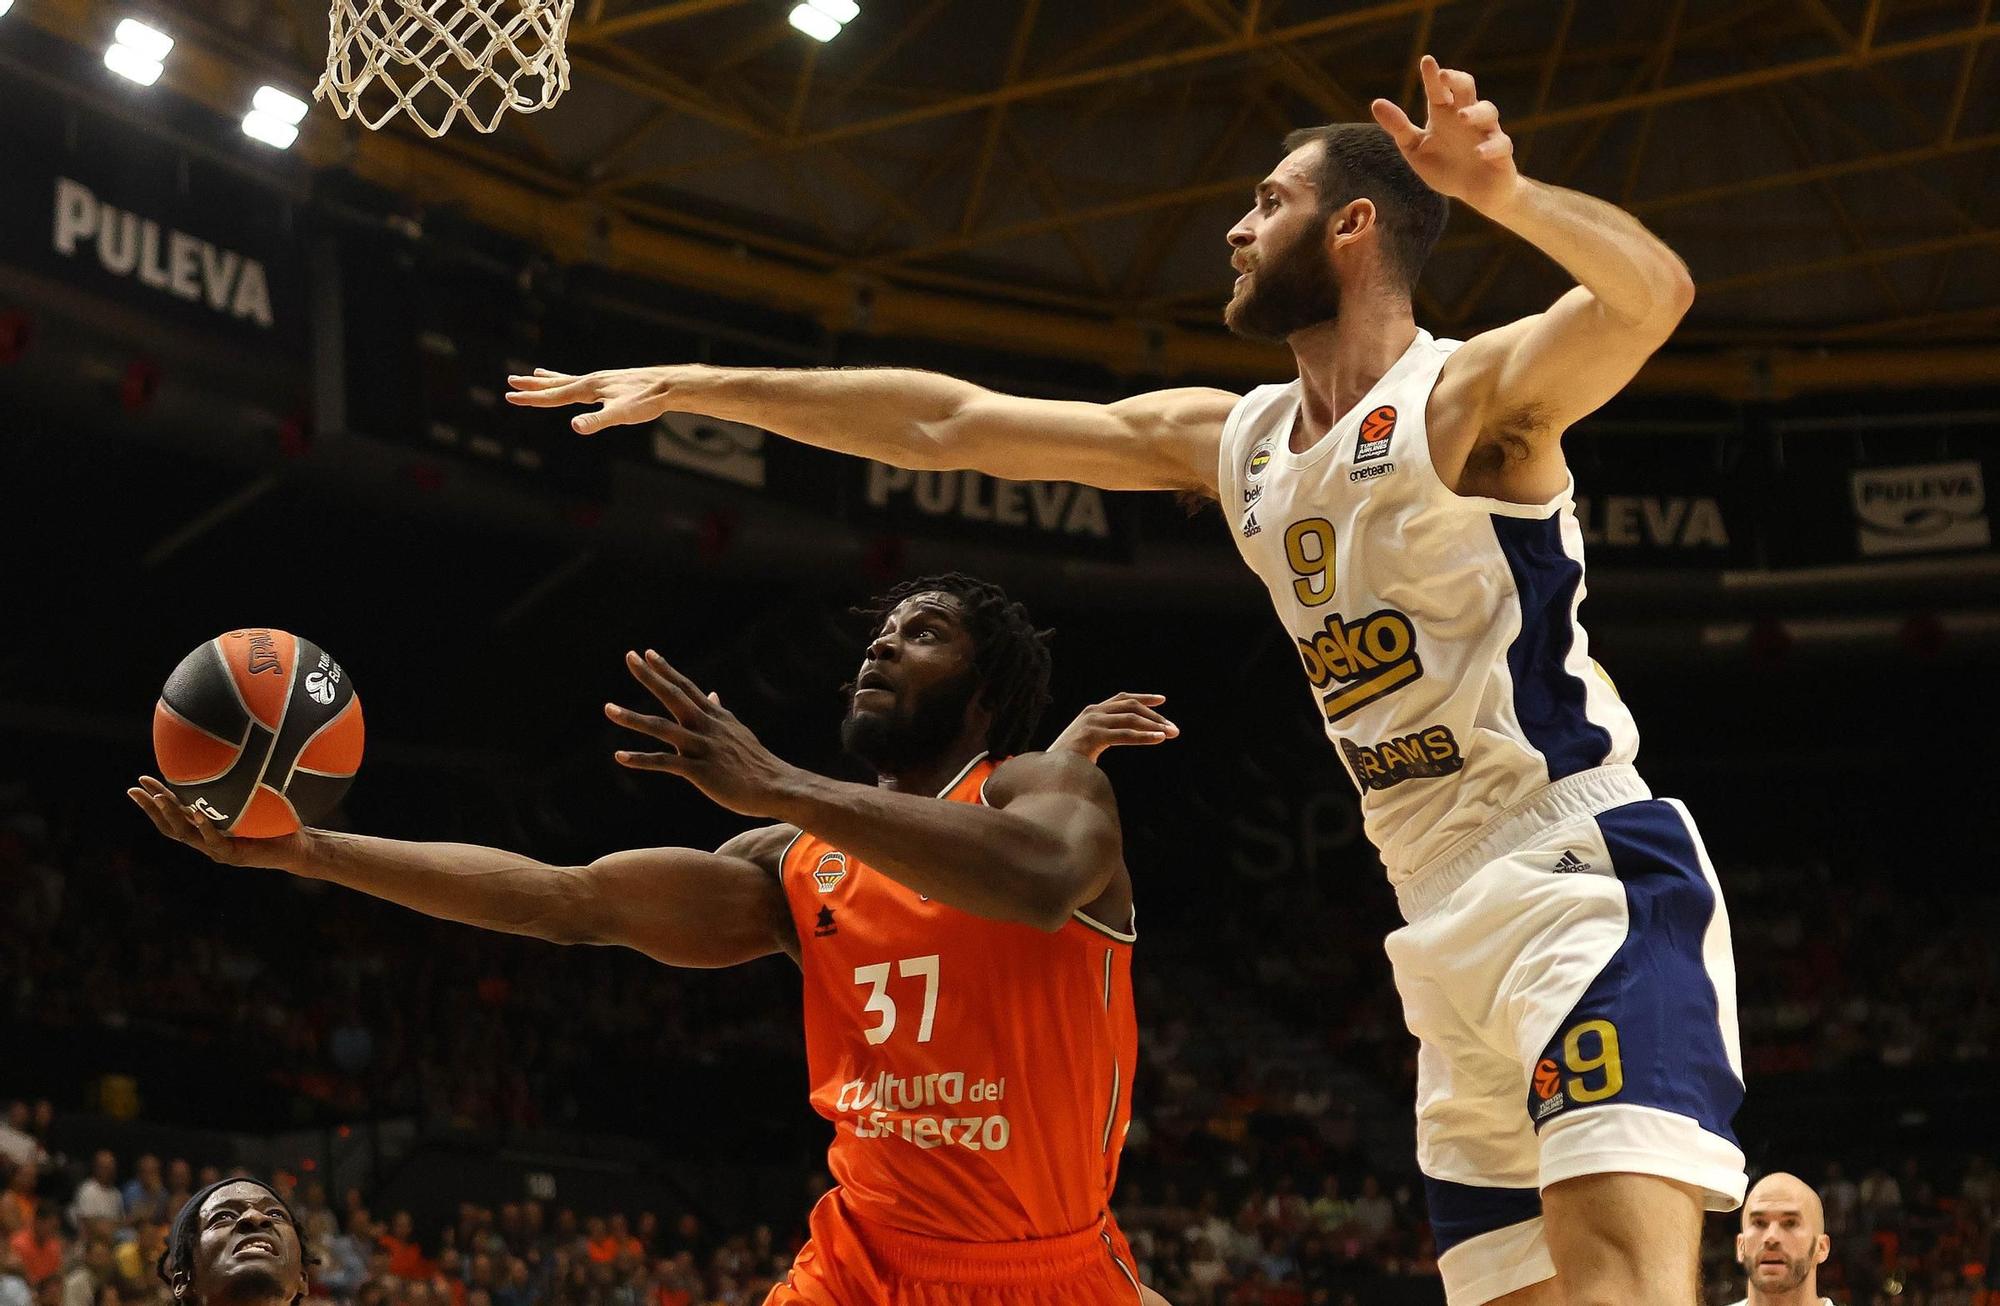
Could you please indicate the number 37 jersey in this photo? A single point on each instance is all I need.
(977, 1073)
(1438, 631)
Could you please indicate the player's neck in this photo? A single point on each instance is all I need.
(1806, 1294)
(1340, 361)
(930, 780)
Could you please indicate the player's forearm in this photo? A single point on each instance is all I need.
(472, 885)
(971, 856)
(893, 415)
(1633, 273)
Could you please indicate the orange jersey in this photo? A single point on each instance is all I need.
(977, 1073)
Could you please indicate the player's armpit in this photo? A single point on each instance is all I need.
(685, 907)
(1507, 395)
(1069, 799)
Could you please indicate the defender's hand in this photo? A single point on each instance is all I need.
(1460, 151)
(712, 750)
(1130, 719)
(188, 826)
(628, 395)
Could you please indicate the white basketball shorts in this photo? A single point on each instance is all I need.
(1574, 998)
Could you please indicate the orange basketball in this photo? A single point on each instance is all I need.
(260, 731)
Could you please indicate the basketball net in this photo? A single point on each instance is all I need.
(438, 60)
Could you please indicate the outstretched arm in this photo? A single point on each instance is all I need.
(680, 906)
(1533, 378)
(1045, 842)
(1166, 440)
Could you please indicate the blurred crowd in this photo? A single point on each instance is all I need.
(91, 1235)
(1268, 1163)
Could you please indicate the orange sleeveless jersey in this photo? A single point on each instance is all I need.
(977, 1073)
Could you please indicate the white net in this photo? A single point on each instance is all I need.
(439, 60)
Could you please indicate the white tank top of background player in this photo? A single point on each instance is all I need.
(1438, 631)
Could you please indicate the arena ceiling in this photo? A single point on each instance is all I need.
(1063, 171)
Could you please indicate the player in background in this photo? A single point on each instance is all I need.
(235, 1243)
(1783, 1243)
(1566, 963)
(964, 926)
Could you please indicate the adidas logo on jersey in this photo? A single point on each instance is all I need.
(1569, 864)
(1250, 526)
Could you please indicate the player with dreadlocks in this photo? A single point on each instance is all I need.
(964, 926)
(235, 1243)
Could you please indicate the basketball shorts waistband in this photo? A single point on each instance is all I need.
(1571, 798)
(983, 1264)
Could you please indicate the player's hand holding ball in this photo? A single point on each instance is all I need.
(1460, 151)
(258, 733)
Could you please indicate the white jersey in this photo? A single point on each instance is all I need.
(1438, 631)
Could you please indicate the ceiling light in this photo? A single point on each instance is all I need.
(840, 11)
(122, 60)
(275, 132)
(5, 5)
(278, 104)
(139, 52)
(814, 23)
(146, 41)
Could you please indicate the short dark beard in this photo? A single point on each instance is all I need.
(1289, 292)
(903, 740)
(1796, 1269)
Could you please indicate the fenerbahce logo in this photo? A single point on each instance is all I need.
(1354, 663)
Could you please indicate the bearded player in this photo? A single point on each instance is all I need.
(1566, 963)
(964, 926)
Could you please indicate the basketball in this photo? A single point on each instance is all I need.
(260, 731)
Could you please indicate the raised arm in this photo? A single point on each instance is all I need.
(1045, 842)
(680, 906)
(1515, 389)
(1165, 440)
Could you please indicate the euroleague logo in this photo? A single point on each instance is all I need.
(1377, 429)
(832, 868)
(324, 682)
(1548, 1077)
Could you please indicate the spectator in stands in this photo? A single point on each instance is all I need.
(145, 1192)
(1330, 1211)
(19, 1200)
(89, 1275)
(347, 1255)
(98, 1198)
(1881, 1199)
(1782, 1243)
(40, 1245)
(1841, 1199)
(180, 1186)
(1374, 1213)
(14, 1286)
(406, 1257)
(17, 1145)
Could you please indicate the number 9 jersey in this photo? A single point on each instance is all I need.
(977, 1072)
(1438, 631)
